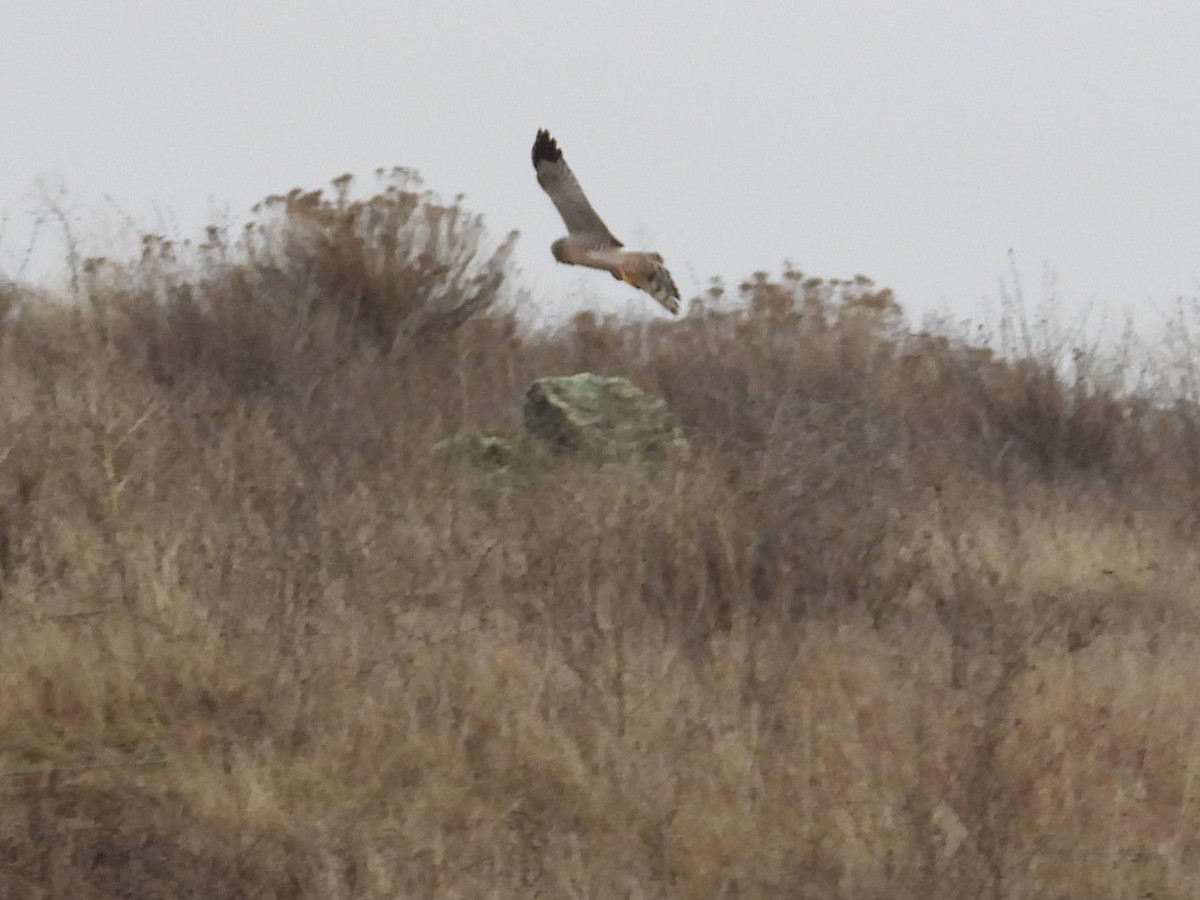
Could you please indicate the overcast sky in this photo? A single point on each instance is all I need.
(915, 143)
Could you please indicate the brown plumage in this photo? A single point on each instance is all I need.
(588, 241)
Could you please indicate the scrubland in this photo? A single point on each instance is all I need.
(911, 618)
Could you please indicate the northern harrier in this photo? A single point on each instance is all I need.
(588, 241)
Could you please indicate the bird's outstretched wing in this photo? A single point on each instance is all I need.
(559, 182)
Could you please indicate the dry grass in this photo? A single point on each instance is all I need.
(911, 621)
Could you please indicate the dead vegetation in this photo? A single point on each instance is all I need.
(912, 619)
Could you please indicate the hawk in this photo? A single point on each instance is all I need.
(588, 241)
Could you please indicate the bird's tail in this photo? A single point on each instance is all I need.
(656, 281)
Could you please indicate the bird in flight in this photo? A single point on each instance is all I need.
(588, 241)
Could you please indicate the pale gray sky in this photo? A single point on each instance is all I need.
(914, 143)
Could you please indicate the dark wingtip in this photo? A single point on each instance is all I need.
(545, 148)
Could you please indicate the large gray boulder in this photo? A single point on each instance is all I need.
(606, 416)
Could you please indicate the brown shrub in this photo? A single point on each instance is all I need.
(911, 619)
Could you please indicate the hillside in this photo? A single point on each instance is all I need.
(911, 619)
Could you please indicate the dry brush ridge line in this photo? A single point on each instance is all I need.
(909, 618)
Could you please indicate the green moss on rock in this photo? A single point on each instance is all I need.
(595, 414)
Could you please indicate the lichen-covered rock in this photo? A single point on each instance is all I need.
(607, 416)
(485, 451)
